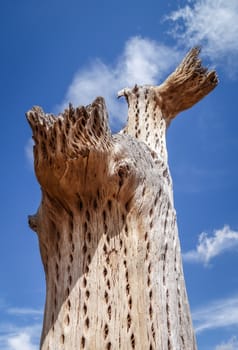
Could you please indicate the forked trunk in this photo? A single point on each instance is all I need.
(107, 225)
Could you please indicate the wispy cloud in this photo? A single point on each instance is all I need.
(220, 313)
(14, 337)
(143, 61)
(232, 344)
(209, 247)
(21, 328)
(21, 341)
(24, 311)
(212, 24)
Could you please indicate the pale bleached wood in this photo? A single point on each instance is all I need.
(107, 225)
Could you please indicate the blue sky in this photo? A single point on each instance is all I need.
(53, 52)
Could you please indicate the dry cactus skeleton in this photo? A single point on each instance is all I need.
(107, 225)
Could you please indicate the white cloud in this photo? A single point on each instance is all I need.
(212, 24)
(209, 247)
(220, 313)
(232, 344)
(21, 341)
(23, 330)
(143, 61)
(14, 337)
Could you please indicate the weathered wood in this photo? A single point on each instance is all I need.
(107, 224)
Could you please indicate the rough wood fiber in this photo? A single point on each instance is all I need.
(107, 225)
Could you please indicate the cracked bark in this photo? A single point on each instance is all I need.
(107, 225)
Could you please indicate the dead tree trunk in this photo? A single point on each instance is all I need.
(107, 224)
